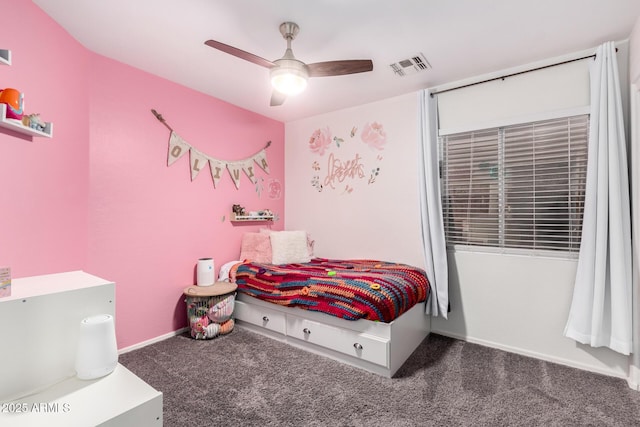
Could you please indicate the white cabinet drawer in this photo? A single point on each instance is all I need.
(260, 316)
(362, 346)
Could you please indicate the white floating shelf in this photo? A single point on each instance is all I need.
(251, 218)
(19, 127)
(5, 57)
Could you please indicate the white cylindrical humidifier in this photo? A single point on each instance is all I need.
(205, 275)
(97, 353)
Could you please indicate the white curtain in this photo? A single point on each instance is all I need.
(435, 249)
(600, 312)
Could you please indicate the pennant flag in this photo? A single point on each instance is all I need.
(261, 160)
(248, 168)
(235, 170)
(177, 148)
(198, 162)
(217, 167)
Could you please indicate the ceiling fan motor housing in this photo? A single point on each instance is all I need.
(289, 30)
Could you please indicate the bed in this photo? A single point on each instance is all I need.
(366, 313)
(349, 289)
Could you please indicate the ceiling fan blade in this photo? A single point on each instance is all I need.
(240, 53)
(277, 98)
(339, 68)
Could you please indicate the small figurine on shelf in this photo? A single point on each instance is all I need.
(238, 210)
(266, 212)
(35, 122)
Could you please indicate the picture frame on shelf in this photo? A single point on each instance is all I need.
(5, 57)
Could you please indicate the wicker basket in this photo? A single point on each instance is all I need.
(210, 316)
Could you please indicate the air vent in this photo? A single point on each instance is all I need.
(414, 64)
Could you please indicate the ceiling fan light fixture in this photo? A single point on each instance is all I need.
(290, 79)
(288, 83)
(288, 75)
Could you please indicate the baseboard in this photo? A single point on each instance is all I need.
(634, 377)
(152, 341)
(535, 355)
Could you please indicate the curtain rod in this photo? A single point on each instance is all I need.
(514, 74)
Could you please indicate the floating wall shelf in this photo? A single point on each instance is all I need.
(251, 218)
(5, 57)
(19, 127)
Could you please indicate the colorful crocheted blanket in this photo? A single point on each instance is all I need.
(349, 289)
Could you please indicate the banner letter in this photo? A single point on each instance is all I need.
(177, 148)
(198, 160)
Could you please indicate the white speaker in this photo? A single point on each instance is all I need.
(97, 353)
(205, 275)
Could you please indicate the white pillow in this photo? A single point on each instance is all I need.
(223, 276)
(289, 247)
(310, 243)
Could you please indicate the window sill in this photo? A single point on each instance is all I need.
(527, 253)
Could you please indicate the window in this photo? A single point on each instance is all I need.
(519, 186)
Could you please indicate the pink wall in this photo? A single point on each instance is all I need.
(44, 182)
(150, 223)
(99, 196)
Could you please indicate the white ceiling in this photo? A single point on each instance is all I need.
(459, 38)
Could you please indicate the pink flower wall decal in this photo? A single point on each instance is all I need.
(374, 136)
(320, 140)
(275, 189)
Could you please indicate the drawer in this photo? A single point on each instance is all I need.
(363, 346)
(260, 316)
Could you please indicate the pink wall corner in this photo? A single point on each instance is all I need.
(98, 196)
(149, 223)
(44, 191)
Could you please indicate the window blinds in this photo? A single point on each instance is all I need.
(519, 186)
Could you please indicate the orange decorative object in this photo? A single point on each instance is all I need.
(14, 100)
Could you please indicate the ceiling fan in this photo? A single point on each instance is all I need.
(288, 75)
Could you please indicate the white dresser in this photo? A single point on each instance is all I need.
(39, 328)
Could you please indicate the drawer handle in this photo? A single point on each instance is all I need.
(306, 331)
(358, 346)
(265, 319)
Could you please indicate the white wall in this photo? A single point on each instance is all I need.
(634, 53)
(634, 75)
(516, 303)
(519, 304)
(522, 98)
(357, 219)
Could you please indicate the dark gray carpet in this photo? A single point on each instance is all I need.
(245, 379)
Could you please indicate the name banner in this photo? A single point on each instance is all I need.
(178, 147)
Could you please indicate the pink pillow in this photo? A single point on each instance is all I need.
(256, 247)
